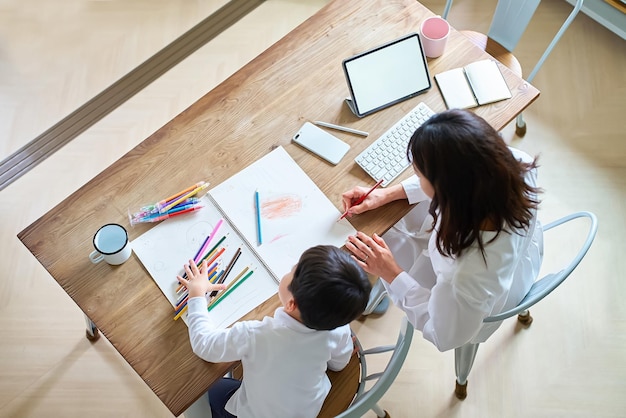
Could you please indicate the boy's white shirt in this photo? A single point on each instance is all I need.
(284, 361)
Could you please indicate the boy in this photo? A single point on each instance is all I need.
(284, 357)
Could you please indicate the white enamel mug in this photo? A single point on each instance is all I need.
(111, 245)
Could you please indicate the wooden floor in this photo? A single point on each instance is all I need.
(56, 55)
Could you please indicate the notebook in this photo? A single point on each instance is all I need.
(386, 75)
(476, 84)
(296, 215)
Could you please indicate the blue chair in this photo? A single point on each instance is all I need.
(508, 24)
(367, 399)
(464, 356)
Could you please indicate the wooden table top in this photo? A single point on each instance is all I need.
(260, 107)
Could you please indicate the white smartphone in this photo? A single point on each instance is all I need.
(320, 142)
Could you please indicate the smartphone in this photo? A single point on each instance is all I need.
(321, 143)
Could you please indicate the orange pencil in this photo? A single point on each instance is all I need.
(182, 197)
(174, 196)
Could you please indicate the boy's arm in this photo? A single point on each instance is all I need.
(342, 348)
(211, 343)
(208, 342)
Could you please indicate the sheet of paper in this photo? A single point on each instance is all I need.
(295, 213)
(164, 249)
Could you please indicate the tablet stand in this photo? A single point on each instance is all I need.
(350, 104)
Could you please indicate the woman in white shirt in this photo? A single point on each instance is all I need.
(472, 246)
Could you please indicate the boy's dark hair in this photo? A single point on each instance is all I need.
(329, 287)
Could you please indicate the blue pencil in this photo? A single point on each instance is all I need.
(258, 217)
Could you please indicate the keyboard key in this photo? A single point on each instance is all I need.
(385, 158)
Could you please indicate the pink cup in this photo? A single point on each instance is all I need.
(434, 35)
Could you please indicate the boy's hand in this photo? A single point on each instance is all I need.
(197, 281)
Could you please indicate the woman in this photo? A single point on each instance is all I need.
(472, 246)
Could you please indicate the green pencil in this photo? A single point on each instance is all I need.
(228, 291)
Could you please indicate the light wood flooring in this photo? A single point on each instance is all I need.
(56, 55)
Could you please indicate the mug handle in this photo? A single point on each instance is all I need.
(96, 257)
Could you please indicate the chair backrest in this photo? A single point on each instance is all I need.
(542, 287)
(366, 400)
(510, 20)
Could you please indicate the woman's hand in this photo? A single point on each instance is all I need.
(375, 199)
(197, 281)
(373, 255)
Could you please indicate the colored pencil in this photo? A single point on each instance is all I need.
(177, 195)
(168, 215)
(183, 197)
(362, 198)
(201, 249)
(228, 269)
(212, 249)
(228, 291)
(258, 217)
(231, 284)
(208, 241)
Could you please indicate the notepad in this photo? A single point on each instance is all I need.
(476, 84)
(295, 213)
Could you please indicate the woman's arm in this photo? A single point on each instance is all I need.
(377, 198)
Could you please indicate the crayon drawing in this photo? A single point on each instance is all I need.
(281, 207)
(295, 214)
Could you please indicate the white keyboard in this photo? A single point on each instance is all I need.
(385, 158)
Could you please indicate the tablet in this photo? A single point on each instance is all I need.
(386, 75)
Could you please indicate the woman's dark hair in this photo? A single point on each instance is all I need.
(329, 287)
(475, 177)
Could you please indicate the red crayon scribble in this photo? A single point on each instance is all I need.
(277, 237)
(279, 207)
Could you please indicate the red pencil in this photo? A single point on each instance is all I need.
(362, 198)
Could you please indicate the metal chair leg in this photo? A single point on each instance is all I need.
(92, 333)
(520, 126)
(525, 319)
(463, 361)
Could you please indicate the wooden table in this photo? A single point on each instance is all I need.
(258, 108)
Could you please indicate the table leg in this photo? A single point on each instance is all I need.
(92, 332)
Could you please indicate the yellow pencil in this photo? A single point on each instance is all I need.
(179, 314)
(183, 197)
(174, 196)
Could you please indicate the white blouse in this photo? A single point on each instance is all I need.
(448, 298)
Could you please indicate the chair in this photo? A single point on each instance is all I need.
(508, 23)
(348, 397)
(464, 356)
(363, 400)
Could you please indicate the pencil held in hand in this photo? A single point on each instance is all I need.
(362, 198)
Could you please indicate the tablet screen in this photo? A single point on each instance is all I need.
(387, 74)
